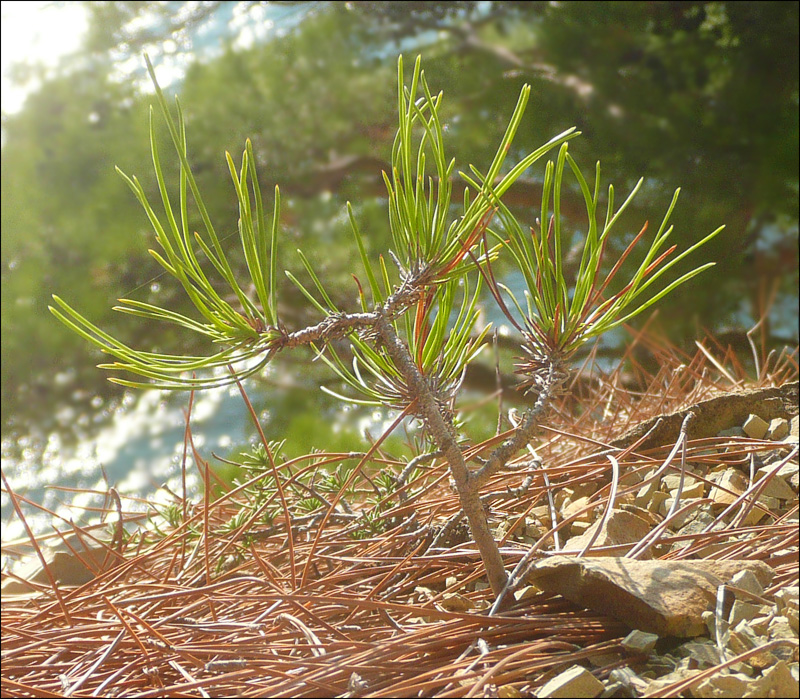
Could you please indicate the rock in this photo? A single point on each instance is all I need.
(575, 682)
(728, 480)
(731, 432)
(778, 429)
(640, 642)
(66, 567)
(678, 675)
(778, 681)
(650, 517)
(620, 528)
(760, 624)
(656, 501)
(745, 611)
(748, 582)
(787, 599)
(742, 639)
(777, 486)
(755, 427)
(667, 598)
(576, 506)
(525, 592)
(646, 492)
(702, 651)
(577, 527)
(634, 685)
(794, 430)
(672, 482)
(678, 520)
(695, 490)
(781, 628)
(455, 602)
(733, 685)
(713, 415)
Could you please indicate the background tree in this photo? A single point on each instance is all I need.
(701, 94)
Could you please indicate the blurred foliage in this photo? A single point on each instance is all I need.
(701, 95)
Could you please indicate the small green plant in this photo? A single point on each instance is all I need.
(413, 327)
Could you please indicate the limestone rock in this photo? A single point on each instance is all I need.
(748, 582)
(755, 427)
(731, 484)
(575, 682)
(640, 642)
(66, 567)
(778, 429)
(734, 684)
(667, 598)
(621, 527)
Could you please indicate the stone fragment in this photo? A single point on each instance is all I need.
(703, 651)
(542, 513)
(755, 427)
(650, 517)
(455, 602)
(634, 685)
(777, 681)
(794, 430)
(640, 642)
(658, 497)
(755, 515)
(603, 659)
(760, 624)
(787, 599)
(789, 469)
(532, 529)
(576, 506)
(731, 685)
(745, 580)
(695, 490)
(66, 566)
(678, 675)
(673, 481)
(778, 429)
(696, 526)
(777, 486)
(577, 527)
(731, 432)
(525, 592)
(780, 628)
(730, 485)
(743, 610)
(678, 520)
(710, 620)
(575, 682)
(667, 598)
(645, 494)
(581, 490)
(620, 528)
(742, 639)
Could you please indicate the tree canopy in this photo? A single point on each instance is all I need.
(701, 95)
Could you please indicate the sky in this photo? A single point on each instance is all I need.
(42, 32)
(35, 31)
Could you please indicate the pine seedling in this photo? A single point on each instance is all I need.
(415, 328)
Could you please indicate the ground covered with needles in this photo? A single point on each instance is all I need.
(224, 605)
